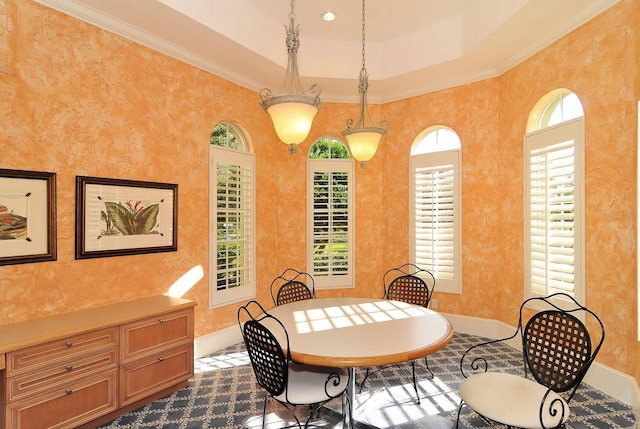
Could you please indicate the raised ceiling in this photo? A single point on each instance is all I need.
(412, 46)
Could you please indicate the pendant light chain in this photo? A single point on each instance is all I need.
(363, 139)
(292, 113)
(363, 33)
(363, 79)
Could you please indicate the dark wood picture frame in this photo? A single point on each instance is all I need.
(27, 216)
(116, 217)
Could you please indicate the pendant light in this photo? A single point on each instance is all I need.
(364, 139)
(293, 113)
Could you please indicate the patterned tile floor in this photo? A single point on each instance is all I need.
(223, 394)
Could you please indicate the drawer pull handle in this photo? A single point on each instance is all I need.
(161, 320)
(69, 367)
(69, 344)
(69, 391)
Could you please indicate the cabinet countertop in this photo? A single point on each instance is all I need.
(18, 335)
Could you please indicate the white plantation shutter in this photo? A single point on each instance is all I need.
(331, 227)
(554, 214)
(434, 217)
(232, 207)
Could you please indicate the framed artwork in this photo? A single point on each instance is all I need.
(125, 217)
(27, 216)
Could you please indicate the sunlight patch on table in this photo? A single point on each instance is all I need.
(336, 317)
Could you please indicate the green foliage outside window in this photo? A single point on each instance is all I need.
(225, 135)
(331, 208)
(229, 235)
(329, 149)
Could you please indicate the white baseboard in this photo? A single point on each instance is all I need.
(215, 341)
(606, 379)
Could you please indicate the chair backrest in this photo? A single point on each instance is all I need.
(558, 348)
(292, 285)
(269, 361)
(409, 283)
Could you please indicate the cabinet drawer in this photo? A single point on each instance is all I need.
(155, 373)
(147, 336)
(68, 406)
(59, 374)
(62, 350)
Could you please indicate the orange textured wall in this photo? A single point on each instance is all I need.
(81, 101)
(7, 34)
(473, 112)
(599, 62)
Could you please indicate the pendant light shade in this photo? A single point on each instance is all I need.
(363, 140)
(292, 114)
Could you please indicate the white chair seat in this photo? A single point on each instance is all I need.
(307, 384)
(511, 400)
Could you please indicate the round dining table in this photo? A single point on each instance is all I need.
(360, 332)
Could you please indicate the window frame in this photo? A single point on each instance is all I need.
(333, 165)
(435, 159)
(219, 298)
(562, 132)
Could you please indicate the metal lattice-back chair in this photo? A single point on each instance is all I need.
(290, 383)
(414, 285)
(292, 285)
(558, 350)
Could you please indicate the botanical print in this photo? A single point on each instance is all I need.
(130, 218)
(13, 217)
(118, 217)
(27, 216)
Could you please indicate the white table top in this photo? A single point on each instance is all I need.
(354, 332)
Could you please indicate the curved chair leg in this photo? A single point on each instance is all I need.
(428, 369)
(314, 410)
(293, 414)
(459, 410)
(415, 384)
(366, 375)
(264, 410)
(413, 379)
(291, 411)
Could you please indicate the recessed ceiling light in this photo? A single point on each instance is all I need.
(328, 16)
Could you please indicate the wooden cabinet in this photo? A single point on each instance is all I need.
(150, 360)
(85, 368)
(80, 401)
(59, 374)
(140, 378)
(154, 334)
(64, 349)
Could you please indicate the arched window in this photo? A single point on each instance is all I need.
(435, 206)
(226, 135)
(555, 108)
(330, 213)
(554, 196)
(232, 207)
(435, 139)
